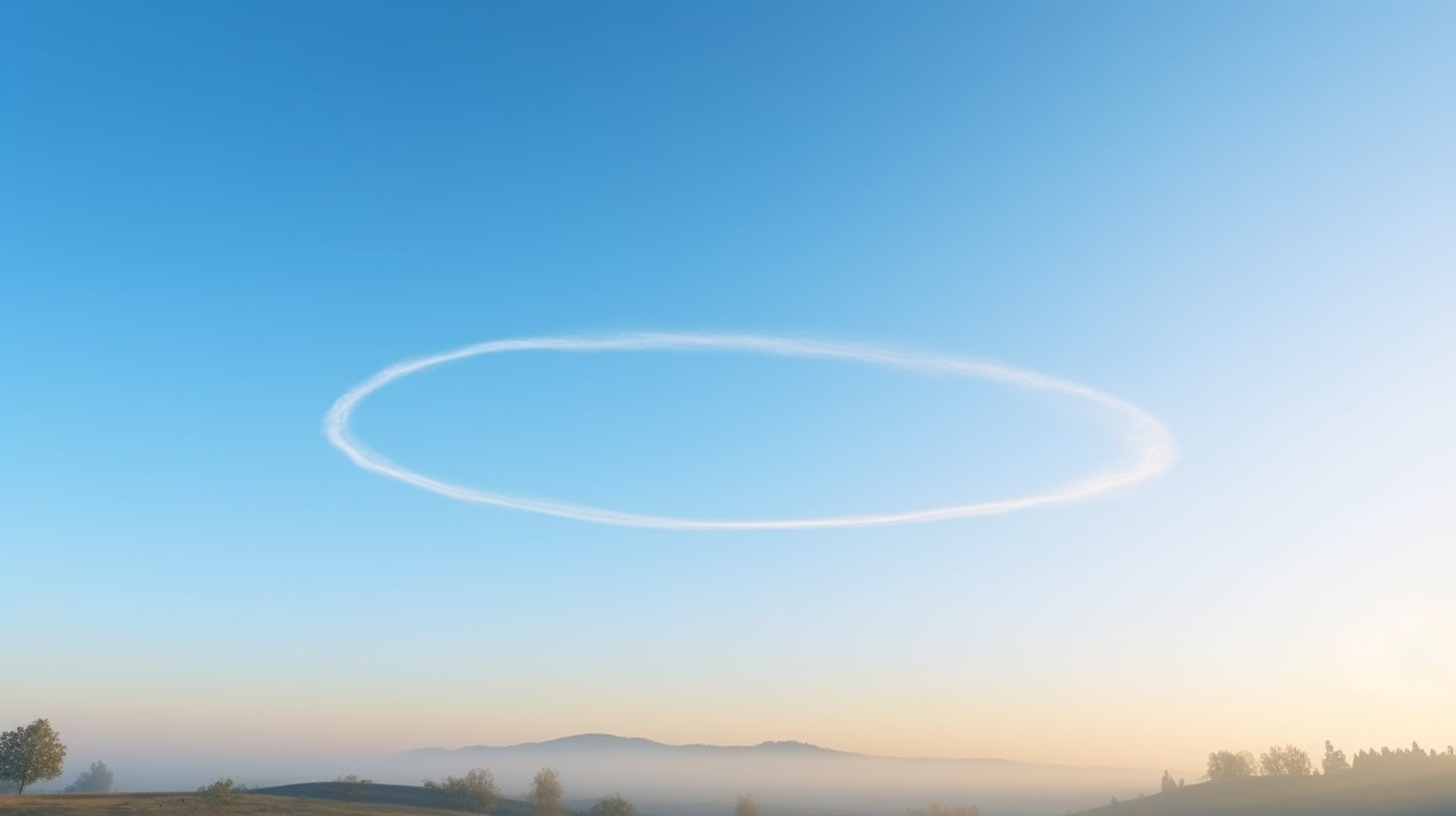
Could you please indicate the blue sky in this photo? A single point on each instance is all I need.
(217, 218)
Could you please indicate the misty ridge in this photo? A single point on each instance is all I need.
(785, 773)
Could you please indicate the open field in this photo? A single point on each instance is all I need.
(192, 804)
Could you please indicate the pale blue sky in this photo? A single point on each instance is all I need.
(217, 218)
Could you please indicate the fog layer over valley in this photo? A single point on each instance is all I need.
(695, 779)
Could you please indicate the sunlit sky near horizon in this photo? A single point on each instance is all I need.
(217, 218)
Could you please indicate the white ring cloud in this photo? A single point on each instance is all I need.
(1151, 443)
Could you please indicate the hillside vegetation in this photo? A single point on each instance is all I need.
(1347, 794)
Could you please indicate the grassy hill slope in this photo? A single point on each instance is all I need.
(1337, 795)
(407, 796)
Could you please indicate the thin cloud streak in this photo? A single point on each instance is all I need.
(1143, 432)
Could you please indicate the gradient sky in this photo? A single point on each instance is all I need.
(217, 218)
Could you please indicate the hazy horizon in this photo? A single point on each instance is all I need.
(686, 780)
(1145, 310)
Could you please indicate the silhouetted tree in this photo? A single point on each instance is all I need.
(745, 806)
(614, 805)
(96, 779)
(546, 798)
(31, 753)
(1225, 765)
(1334, 761)
(1167, 783)
(1286, 761)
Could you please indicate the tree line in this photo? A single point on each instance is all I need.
(1291, 761)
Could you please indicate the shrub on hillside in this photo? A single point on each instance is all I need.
(475, 791)
(614, 805)
(351, 788)
(96, 779)
(222, 794)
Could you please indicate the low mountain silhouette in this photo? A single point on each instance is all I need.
(678, 780)
(611, 743)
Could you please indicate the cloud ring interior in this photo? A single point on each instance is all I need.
(1150, 441)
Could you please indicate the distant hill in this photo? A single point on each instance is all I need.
(784, 776)
(579, 743)
(1344, 794)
